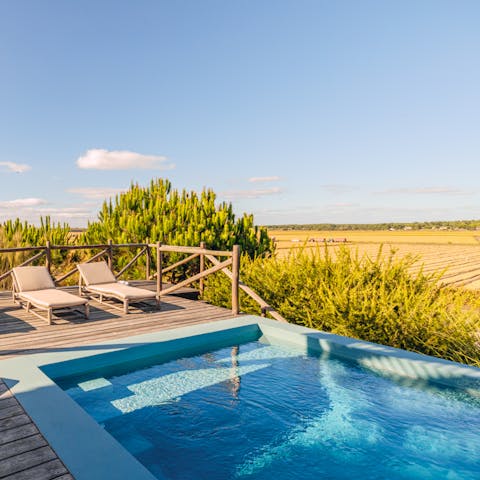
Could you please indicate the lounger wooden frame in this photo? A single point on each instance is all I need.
(27, 304)
(98, 296)
(86, 291)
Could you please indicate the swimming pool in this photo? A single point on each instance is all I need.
(251, 398)
(263, 411)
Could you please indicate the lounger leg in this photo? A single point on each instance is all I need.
(49, 316)
(87, 310)
(28, 306)
(125, 306)
(157, 301)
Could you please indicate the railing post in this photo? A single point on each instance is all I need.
(159, 270)
(202, 268)
(110, 254)
(48, 256)
(235, 279)
(148, 260)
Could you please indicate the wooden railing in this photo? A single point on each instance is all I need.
(202, 253)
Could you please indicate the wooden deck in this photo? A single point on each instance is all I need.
(23, 333)
(24, 453)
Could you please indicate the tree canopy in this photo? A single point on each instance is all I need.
(163, 214)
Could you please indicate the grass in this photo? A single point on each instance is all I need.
(375, 299)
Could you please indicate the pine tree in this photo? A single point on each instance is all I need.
(159, 213)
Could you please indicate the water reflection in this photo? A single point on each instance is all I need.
(235, 381)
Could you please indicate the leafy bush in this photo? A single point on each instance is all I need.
(377, 300)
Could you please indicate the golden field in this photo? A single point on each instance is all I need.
(455, 253)
(436, 237)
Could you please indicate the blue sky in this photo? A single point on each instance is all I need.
(298, 111)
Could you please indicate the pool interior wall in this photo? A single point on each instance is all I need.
(89, 452)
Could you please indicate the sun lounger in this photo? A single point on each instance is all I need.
(99, 280)
(33, 286)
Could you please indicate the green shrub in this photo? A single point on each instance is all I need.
(159, 213)
(25, 234)
(377, 300)
(15, 233)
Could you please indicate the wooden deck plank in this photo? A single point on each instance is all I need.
(10, 411)
(25, 460)
(22, 333)
(7, 402)
(104, 318)
(54, 469)
(43, 339)
(24, 452)
(113, 330)
(11, 423)
(14, 434)
(21, 446)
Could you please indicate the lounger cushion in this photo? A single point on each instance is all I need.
(52, 298)
(121, 291)
(96, 273)
(32, 278)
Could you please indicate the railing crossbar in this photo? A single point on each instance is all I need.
(78, 247)
(180, 249)
(20, 249)
(196, 277)
(264, 306)
(181, 262)
(131, 262)
(26, 262)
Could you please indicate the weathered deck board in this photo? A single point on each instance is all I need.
(24, 452)
(22, 333)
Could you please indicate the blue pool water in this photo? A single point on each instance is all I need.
(260, 411)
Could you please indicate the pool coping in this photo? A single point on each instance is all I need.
(89, 452)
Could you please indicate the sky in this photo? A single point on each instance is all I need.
(298, 111)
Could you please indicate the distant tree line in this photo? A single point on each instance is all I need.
(441, 224)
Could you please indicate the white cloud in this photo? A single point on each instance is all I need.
(22, 203)
(343, 205)
(100, 159)
(338, 189)
(246, 194)
(264, 179)
(15, 167)
(425, 191)
(31, 209)
(65, 213)
(96, 193)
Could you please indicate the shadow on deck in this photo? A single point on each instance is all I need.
(23, 333)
